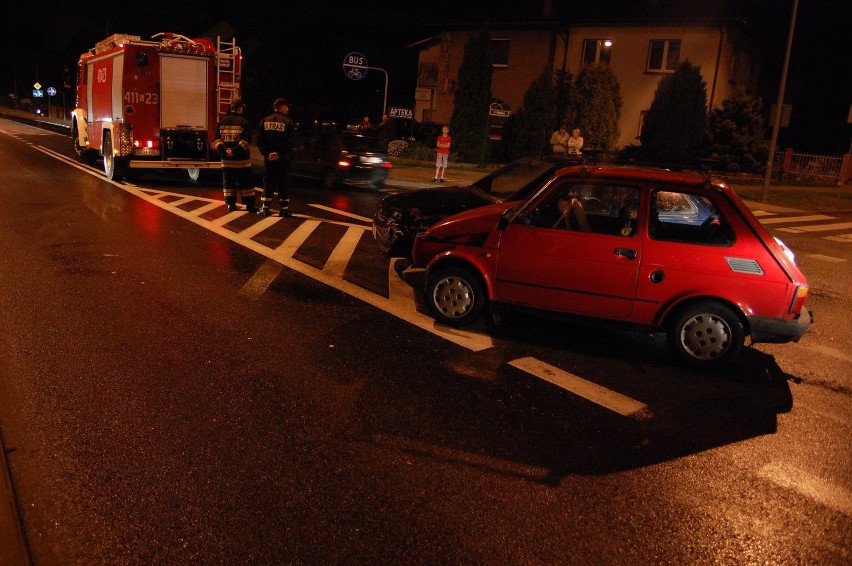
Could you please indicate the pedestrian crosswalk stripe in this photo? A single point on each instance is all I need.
(289, 246)
(336, 263)
(818, 228)
(790, 219)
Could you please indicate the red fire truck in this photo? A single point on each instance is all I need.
(153, 104)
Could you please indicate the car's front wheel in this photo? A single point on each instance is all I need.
(707, 334)
(455, 296)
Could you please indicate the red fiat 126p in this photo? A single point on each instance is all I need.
(665, 251)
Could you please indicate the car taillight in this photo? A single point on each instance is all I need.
(387, 165)
(344, 163)
(799, 298)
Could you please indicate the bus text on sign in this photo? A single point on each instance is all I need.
(355, 66)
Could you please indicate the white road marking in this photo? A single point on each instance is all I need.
(841, 238)
(259, 227)
(827, 351)
(593, 392)
(823, 492)
(222, 220)
(760, 213)
(790, 219)
(399, 291)
(181, 201)
(827, 258)
(206, 208)
(289, 246)
(336, 263)
(341, 212)
(818, 228)
(261, 280)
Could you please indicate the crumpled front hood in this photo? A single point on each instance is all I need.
(442, 201)
(483, 219)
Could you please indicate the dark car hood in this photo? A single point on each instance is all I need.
(443, 201)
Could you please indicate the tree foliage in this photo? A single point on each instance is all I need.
(735, 135)
(469, 121)
(532, 126)
(675, 124)
(595, 106)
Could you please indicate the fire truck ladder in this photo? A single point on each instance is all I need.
(227, 74)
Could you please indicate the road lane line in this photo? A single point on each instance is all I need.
(788, 219)
(823, 492)
(289, 246)
(588, 390)
(336, 263)
(259, 227)
(341, 212)
(760, 213)
(261, 280)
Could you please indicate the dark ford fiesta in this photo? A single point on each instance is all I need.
(663, 251)
(400, 217)
(340, 158)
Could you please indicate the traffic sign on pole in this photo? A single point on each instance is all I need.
(355, 66)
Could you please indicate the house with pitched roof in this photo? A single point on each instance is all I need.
(640, 46)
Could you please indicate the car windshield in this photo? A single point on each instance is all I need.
(514, 181)
(359, 143)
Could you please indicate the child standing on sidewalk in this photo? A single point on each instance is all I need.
(443, 151)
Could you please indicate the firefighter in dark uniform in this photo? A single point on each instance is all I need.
(233, 138)
(275, 137)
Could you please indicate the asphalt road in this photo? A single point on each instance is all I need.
(180, 385)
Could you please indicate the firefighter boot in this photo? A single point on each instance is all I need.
(285, 207)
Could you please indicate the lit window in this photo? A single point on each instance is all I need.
(597, 51)
(664, 55)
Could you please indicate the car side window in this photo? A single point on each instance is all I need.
(580, 207)
(687, 218)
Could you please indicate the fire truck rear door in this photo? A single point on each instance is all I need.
(184, 92)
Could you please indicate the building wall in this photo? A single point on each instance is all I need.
(726, 59)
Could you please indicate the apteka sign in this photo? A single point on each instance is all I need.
(397, 112)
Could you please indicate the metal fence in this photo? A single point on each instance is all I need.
(804, 166)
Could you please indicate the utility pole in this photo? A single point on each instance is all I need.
(779, 106)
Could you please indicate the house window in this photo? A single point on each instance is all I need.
(597, 51)
(664, 55)
(500, 53)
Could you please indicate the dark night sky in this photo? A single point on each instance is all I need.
(295, 48)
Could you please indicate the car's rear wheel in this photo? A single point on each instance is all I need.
(707, 334)
(455, 296)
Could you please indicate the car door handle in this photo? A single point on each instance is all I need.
(626, 252)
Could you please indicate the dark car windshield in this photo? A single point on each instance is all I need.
(515, 181)
(360, 143)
